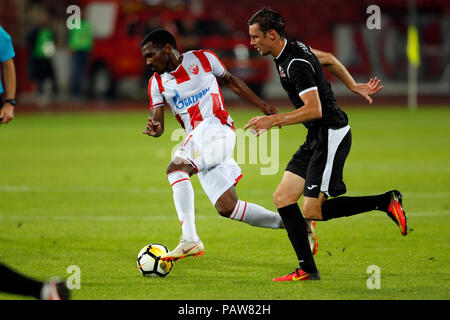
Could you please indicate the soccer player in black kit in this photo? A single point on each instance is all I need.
(315, 170)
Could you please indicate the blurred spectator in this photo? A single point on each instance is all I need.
(132, 23)
(80, 42)
(41, 46)
(150, 25)
(189, 32)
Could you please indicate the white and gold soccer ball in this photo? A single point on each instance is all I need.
(149, 261)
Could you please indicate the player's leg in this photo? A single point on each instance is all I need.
(289, 190)
(229, 206)
(16, 283)
(13, 282)
(285, 198)
(179, 171)
(329, 177)
(312, 207)
(196, 154)
(389, 202)
(220, 175)
(287, 194)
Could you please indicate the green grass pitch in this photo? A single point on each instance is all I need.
(88, 189)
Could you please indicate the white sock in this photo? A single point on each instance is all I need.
(183, 196)
(256, 215)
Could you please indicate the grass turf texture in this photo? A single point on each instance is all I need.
(88, 189)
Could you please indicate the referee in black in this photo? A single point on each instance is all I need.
(315, 170)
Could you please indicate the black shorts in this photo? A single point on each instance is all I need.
(320, 161)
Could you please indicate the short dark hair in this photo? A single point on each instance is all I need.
(159, 38)
(268, 19)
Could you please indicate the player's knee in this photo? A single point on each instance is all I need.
(308, 214)
(225, 208)
(227, 202)
(225, 212)
(311, 211)
(277, 199)
(172, 167)
(281, 200)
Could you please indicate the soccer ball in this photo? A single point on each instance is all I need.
(149, 263)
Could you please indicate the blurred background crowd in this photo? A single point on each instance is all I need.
(102, 60)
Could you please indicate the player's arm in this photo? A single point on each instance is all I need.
(336, 68)
(155, 123)
(302, 75)
(311, 110)
(9, 71)
(239, 87)
(236, 84)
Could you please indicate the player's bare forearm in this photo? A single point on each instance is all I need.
(155, 123)
(304, 114)
(335, 67)
(9, 72)
(311, 110)
(239, 87)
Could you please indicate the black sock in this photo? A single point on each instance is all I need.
(295, 226)
(13, 282)
(349, 206)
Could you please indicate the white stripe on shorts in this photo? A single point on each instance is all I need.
(335, 137)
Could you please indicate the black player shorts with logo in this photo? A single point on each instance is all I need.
(320, 161)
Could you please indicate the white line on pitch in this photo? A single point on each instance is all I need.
(150, 190)
(103, 218)
(165, 217)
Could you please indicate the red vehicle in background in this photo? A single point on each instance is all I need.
(120, 26)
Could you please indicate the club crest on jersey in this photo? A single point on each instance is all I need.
(282, 74)
(181, 102)
(194, 69)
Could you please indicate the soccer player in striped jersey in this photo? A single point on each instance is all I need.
(189, 84)
(316, 169)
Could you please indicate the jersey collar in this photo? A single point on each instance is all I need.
(282, 50)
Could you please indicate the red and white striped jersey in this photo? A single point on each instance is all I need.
(191, 90)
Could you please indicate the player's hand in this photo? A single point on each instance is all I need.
(269, 110)
(153, 128)
(368, 89)
(259, 125)
(6, 113)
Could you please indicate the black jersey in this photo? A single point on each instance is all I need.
(300, 71)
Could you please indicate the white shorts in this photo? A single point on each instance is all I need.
(209, 148)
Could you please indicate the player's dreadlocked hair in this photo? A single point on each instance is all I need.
(268, 19)
(159, 38)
